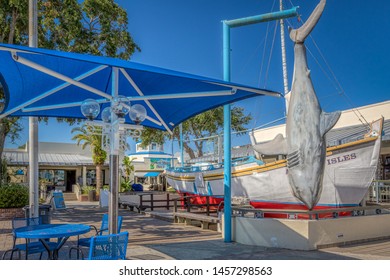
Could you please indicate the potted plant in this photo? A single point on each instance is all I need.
(90, 192)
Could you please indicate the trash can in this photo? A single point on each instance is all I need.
(44, 212)
(137, 187)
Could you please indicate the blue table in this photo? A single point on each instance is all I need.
(46, 231)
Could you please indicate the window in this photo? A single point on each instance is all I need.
(53, 177)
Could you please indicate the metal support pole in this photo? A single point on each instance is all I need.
(181, 145)
(227, 140)
(114, 163)
(114, 193)
(220, 155)
(262, 18)
(227, 24)
(33, 122)
(377, 192)
(283, 47)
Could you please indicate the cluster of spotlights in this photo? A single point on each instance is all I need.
(120, 106)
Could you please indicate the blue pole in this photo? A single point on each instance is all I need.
(227, 140)
(262, 18)
(181, 145)
(227, 24)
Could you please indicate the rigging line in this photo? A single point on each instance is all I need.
(251, 57)
(262, 64)
(270, 56)
(265, 46)
(334, 81)
(267, 124)
(319, 65)
(263, 56)
(337, 81)
(327, 64)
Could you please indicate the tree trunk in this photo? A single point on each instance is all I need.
(189, 150)
(3, 133)
(99, 179)
(12, 27)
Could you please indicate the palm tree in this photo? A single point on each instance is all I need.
(128, 167)
(88, 137)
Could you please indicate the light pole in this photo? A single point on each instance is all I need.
(113, 129)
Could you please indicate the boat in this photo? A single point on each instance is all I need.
(349, 171)
(309, 175)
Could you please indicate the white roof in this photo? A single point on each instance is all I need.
(56, 159)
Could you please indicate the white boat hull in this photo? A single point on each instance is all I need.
(349, 171)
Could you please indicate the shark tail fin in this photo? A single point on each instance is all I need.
(328, 120)
(299, 35)
(277, 146)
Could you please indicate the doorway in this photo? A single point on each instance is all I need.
(70, 179)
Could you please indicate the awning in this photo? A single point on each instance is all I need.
(152, 174)
(47, 83)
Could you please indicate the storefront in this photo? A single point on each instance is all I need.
(61, 165)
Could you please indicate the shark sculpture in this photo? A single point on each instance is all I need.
(306, 125)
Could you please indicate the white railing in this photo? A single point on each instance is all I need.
(380, 191)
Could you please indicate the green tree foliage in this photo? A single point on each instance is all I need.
(203, 125)
(127, 167)
(87, 136)
(13, 196)
(14, 22)
(96, 27)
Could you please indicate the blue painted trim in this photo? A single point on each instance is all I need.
(195, 189)
(209, 190)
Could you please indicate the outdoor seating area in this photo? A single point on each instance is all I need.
(151, 238)
(78, 234)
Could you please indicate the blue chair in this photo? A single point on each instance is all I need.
(31, 246)
(107, 247)
(86, 242)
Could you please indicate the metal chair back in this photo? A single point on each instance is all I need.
(32, 246)
(24, 222)
(109, 247)
(104, 226)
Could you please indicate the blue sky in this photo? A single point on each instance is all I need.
(350, 68)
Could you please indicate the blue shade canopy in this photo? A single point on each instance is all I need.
(152, 174)
(47, 83)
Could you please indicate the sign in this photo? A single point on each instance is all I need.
(160, 163)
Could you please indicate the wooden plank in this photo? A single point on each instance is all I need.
(197, 217)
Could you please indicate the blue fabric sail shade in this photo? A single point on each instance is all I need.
(152, 174)
(40, 82)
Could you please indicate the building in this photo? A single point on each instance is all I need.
(149, 165)
(61, 165)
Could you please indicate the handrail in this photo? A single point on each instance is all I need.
(381, 181)
(188, 205)
(143, 202)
